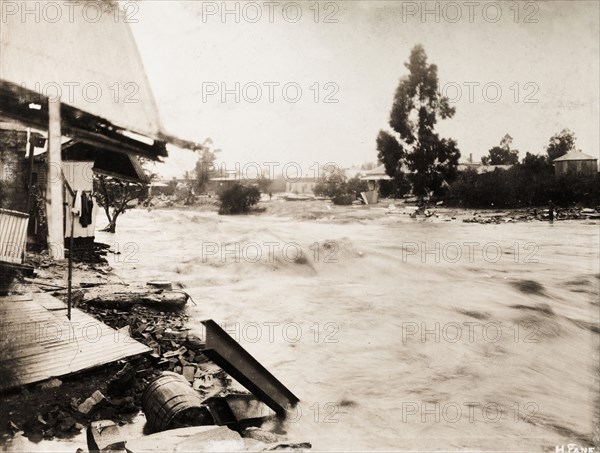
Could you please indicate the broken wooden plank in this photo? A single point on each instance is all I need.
(197, 438)
(123, 300)
(235, 360)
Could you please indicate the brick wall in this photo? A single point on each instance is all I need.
(13, 169)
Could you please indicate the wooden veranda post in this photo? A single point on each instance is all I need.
(54, 186)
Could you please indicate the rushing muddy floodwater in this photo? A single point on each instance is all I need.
(395, 334)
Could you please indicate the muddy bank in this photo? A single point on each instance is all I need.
(319, 209)
(60, 411)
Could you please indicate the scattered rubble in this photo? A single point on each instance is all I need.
(535, 214)
(261, 435)
(88, 405)
(50, 384)
(122, 382)
(488, 216)
(104, 435)
(104, 399)
(205, 438)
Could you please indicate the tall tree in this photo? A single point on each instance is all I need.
(205, 168)
(560, 144)
(503, 154)
(535, 164)
(417, 105)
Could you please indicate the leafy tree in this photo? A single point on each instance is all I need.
(519, 187)
(390, 153)
(356, 185)
(536, 164)
(263, 183)
(503, 154)
(341, 190)
(395, 188)
(115, 197)
(416, 108)
(560, 144)
(205, 168)
(331, 185)
(506, 141)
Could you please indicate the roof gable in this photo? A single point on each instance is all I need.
(575, 155)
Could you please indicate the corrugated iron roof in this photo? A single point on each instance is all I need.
(88, 56)
(94, 65)
(575, 155)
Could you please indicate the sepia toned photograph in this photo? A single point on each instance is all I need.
(303, 226)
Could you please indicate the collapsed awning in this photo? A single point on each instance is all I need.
(31, 108)
(106, 162)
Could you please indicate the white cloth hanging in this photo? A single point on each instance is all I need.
(76, 209)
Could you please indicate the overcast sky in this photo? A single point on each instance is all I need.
(542, 56)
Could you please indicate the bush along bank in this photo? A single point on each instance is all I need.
(520, 187)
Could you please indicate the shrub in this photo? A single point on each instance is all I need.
(238, 199)
(356, 185)
(342, 191)
(331, 186)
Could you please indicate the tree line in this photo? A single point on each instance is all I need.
(421, 161)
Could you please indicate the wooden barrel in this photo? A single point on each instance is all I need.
(170, 402)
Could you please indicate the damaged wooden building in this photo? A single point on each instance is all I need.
(61, 124)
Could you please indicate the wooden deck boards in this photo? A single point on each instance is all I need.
(37, 341)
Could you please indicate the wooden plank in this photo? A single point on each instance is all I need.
(49, 302)
(16, 298)
(222, 349)
(70, 359)
(29, 354)
(54, 183)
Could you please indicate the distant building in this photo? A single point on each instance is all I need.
(218, 184)
(469, 164)
(301, 185)
(160, 188)
(479, 167)
(278, 184)
(376, 174)
(354, 172)
(575, 162)
(373, 178)
(488, 168)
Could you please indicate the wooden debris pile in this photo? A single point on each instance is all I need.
(174, 347)
(536, 214)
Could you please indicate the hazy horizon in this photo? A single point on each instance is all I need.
(529, 54)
